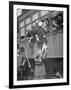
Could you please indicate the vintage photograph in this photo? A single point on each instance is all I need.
(39, 44)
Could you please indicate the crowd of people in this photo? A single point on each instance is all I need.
(26, 67)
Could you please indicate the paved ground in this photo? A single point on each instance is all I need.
(40, 73)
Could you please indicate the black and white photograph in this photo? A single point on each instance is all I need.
(39, 44)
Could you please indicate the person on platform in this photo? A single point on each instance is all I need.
(25, 65)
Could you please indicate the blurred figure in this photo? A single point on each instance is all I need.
(58, 75)
(44, 50)
(25, 66)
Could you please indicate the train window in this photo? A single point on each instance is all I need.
(28, 20)
(44, 12)
(28, 27)
(35, 16)
(21, 24)
(23, 31)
